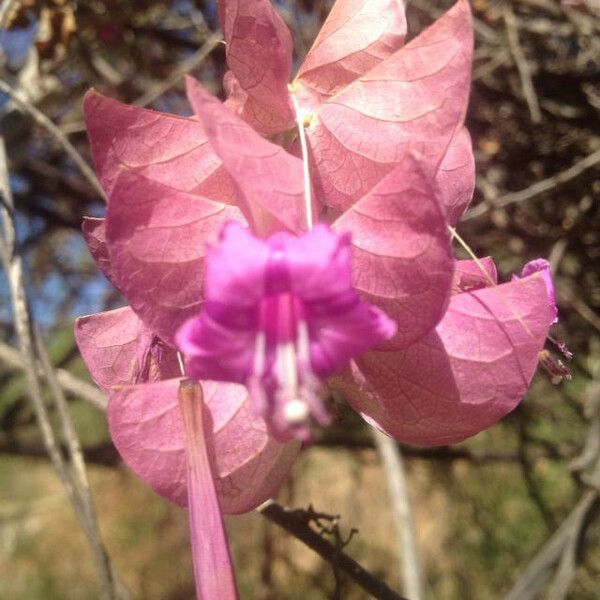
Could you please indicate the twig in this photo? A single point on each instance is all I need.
(539, 570)
(41, 119)
(512, 32)
(181, 71)
(292, 522)
(6, 11)
(23, 326)
(394, 469)
(537, 188)
(69, 383)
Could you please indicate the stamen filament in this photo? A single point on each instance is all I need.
(304, 147)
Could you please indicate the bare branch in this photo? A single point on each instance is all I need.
(391, 460)
(297, 523)
(182, 70)
(69, 383)
(512, 32)
(74, 486)
(537, 188)
(41, 119)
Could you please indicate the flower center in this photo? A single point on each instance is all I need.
(282, 382)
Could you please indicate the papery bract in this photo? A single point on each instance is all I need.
(120, 350)
(356, 35)
(456, 176)
(271, 186)
(145, 421)
(256, 35)
(401, 252)
(164, 148)
(147, 429)
(542, 266)
(469, 372)
(157, 240)
(413, 101)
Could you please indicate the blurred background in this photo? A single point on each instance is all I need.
(517, 501)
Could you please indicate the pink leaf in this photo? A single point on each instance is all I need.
(456, 177)
(94, 234)
(401, 251)
(466, 375)
(259, 54)
(166, 148)
(119, 349)
(357, 35)
(270, 180)
(158, 239)
(147, 429)
(413, 101)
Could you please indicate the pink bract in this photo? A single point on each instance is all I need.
(391, 165)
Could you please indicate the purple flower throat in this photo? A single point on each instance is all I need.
(280, 316)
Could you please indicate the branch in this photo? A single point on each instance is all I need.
(75, 480)
(41, 119)
(297, 522)
(401, 511)
(539, 570)
(537, 188)
(522, 65)
(67, 381)
(181, 71)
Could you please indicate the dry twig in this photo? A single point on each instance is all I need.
(394, 469)
(512, 32)
(41, 119)
(75, 480)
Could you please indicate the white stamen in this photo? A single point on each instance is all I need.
(302, 135)
(296, 411)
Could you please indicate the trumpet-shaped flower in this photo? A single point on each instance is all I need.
(280, 315)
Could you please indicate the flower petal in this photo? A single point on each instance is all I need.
(401, 251)
(456, 177)
(119, 349)
(258, 48)
(466, 375)
(270, 180)
(165, 148)
(146, 427)
(413, 101)
(357, 35)
(157, 239)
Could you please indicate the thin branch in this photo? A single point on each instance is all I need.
(521, 63)
(537, 188)
(69, 383)
(6, 11)
(12, 262)
(181, 71)
(41, 119)
(293, 522)
(391, 460)
(539, 570)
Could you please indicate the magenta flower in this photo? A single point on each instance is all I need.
(279, 316)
